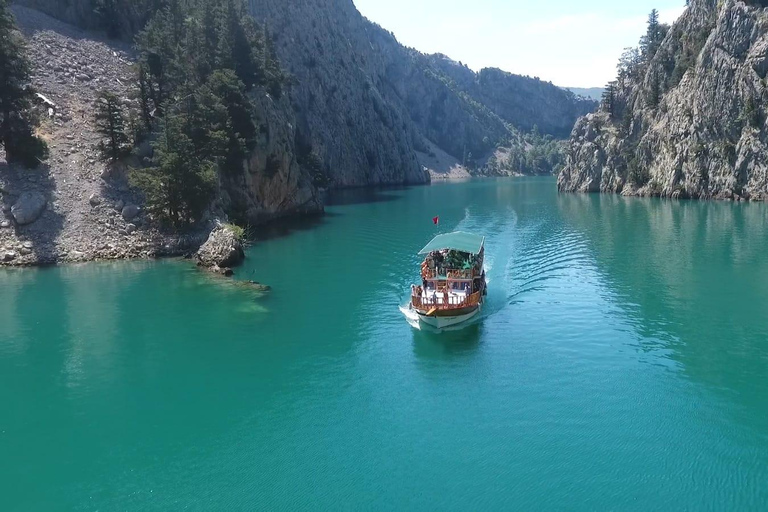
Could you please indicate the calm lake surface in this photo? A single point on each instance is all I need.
(622, 363)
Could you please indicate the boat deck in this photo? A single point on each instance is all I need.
(454, 298)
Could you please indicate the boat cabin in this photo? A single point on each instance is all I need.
(451, 273)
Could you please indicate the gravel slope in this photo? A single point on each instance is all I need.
(88, 212)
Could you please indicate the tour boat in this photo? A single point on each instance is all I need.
(452, 282)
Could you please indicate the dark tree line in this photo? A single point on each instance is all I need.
(17, 120)
(199, 61)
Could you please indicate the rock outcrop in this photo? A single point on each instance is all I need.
(222, 251)
(274, 182)
(693, 124)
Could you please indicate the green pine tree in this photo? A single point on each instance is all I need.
(651, 41)
(110, 124)
(197, 66)
(178, 187)
(609, 98)
(16, 120)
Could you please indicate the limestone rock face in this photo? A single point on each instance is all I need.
(707, 135)
(223, 249)
(273, 182)
(28, 207)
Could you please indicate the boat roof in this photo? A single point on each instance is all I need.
(457, 241)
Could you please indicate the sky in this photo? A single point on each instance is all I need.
(572, 44)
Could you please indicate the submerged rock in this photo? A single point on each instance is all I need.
(222, 250)
(258, 286)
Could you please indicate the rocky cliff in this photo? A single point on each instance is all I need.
(366, 109)
(368, 106)
(691, 122)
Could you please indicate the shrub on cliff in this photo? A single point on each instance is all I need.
(17, 121)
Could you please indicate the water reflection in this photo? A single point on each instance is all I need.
(691, 274)
(364, 195)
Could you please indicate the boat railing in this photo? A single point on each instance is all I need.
(430, 273)
(439, 302)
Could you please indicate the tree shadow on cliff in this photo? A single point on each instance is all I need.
(41, 233)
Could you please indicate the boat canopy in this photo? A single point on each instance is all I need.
(458, 241)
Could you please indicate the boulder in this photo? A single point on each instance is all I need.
(94, 200)
(223, 249)
(7, 256)
(28, 208)
(130, 211)
(5, 224)
(130, 228)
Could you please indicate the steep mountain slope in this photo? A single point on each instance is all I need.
(522, 101)
(365, 103)
(692, 121)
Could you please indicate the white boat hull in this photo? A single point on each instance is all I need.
(418, 320)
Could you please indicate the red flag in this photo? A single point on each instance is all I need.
(436, 220)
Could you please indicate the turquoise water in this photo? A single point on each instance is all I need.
(620, 365)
